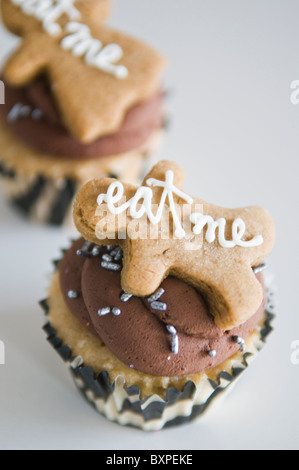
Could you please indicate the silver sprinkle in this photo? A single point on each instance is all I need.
(116, 311)
(37, 114)
(213, 353)
(87, 245)
(171, 329)
(159, 306)
(110, 266)
(25, 111)
(156, 295)
(85, 250)
(175, 344)
(96, 251)
(117, 253)
(107, 258)
(83, 253)
(72, 294)
(14, 113)
(125, 297)
(174, 339)
(259, 269)
(104, 311)
(18, 111)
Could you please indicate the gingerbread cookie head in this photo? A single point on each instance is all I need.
(164, 231)
(96, 74)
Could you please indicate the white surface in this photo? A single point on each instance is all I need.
(236, 133)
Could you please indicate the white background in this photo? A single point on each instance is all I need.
(236, 133)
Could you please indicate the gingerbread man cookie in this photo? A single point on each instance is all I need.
(164, 231)
(96, 74)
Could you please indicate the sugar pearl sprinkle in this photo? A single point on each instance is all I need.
(102, 312)
(213, 353)
(240, 341)
(116, 311)
(72, 294)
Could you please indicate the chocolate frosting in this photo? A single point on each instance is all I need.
(138, 335)
(47, 133)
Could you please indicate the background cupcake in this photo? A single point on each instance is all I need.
(81, 100)
(151, 329)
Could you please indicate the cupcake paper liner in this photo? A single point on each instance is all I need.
(126, 406)
(43, 189)
(39, 198)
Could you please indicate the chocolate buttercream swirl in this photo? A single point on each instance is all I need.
(33, 116)
(171, 334)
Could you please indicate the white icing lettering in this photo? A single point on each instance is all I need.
(82, 43)
(238, 231)
(79, 40)
(141, 204)
(145, 194)
(49, 11)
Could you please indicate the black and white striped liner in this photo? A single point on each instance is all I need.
(6, 172)
(58, 198)
(124, 404)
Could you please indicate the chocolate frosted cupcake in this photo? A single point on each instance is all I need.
(80, 100)
(157, 311)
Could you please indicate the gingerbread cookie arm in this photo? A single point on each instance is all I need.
(18, 70)
(95, 223)
(258, 221)
(12, 17)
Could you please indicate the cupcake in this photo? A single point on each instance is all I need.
(81, 100)
(161, 303)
